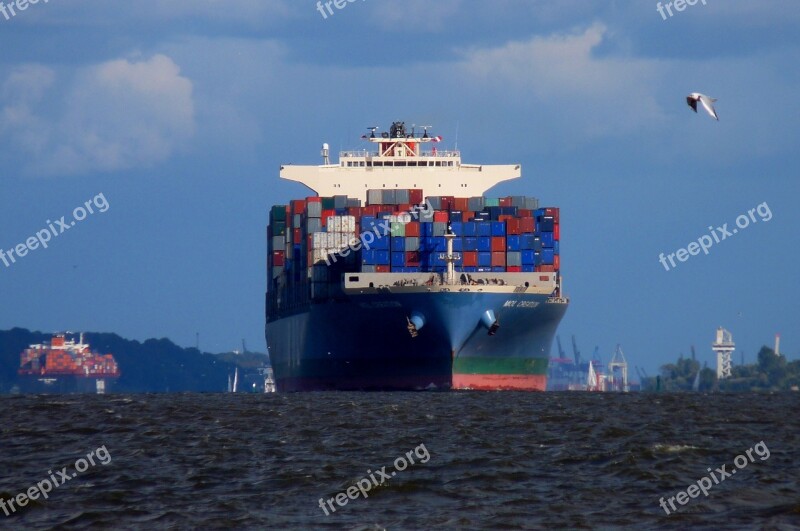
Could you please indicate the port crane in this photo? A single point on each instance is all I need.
(560, 350)
(576, 352)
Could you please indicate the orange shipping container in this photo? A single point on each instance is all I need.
(461, 203)
(498, 259)
(527, 225)
(470, 258)
(498, 244)
(412, 229)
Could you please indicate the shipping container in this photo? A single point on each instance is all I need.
(498, 259)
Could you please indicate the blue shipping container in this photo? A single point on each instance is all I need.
(484, 259)
(498, 228)
(470, 244)
(470, 229)
(548, 256)
(528, 257)
(547, 240)
(484, 244)
(513, 243)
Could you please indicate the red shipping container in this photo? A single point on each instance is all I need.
(514, 226)
(440, 216)
(504, 217)
(556, 232)
(527, 225)
(505, 201)
(461, 203)
(382, 269)
(470, 258)
(545, 268)
(415, 196)
(552, 212)
(524, 213)
(467, 215)
(297, 236)
(412, 229)
(499, 259)
(315, 199)
(325, 215)
(514, 269)
(556, 262)
(405, 207)
(277, 258)
(499, 244)
(412, 258)
(298, 206)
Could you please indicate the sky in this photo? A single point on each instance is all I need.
(164, 124)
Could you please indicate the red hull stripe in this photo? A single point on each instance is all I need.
(507, 382)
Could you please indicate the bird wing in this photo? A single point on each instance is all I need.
(692, 103)
(709, 105)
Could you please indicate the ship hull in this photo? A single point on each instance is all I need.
(363, 343)
(64, 384)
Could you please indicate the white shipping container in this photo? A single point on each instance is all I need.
(319, 240)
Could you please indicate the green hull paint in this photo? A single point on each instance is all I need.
(494, 365)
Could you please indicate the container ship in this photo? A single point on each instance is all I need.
(66, 366)
(401, 274)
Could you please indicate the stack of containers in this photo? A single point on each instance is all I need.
(547, 223)
(508, 234)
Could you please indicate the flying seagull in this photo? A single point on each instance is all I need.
(707, 102)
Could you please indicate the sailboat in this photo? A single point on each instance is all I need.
(236, 380)
(591, 381)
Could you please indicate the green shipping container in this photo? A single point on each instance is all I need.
(398, 229)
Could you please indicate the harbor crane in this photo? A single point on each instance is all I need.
(576, 352)
(560, 350)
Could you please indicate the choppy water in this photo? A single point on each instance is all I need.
(496, 460)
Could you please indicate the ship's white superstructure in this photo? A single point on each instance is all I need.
(400, 162)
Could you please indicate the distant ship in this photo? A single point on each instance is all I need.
(66, 366)
(444, 288)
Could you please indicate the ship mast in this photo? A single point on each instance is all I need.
(450, 257)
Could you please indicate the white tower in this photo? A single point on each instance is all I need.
(618, 361)
(723, 346)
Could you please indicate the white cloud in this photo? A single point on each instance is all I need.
(113, 116)
(564, 73)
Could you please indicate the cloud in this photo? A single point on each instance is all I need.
(564, 73)
(112, 116)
